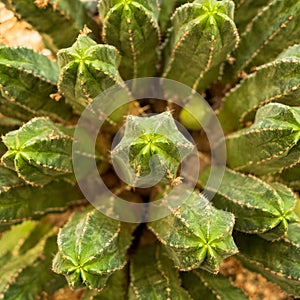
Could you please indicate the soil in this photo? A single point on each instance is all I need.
(14, 32)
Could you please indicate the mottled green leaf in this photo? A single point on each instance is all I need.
(87, 69)
(277, 261)
(278, 81)
(196, 235)
(27, 81)
(30, 284)
(271, 31)
(167, 8)
(39, 151)
(210, 286)
(132, 27)
(291, 177)
(19, 201)
(153, 276)
(270, 145)
(203, 34)
(115, 288)
(258, 207)
(153, 147)
(246, 10)
(26, 252)
(91, 247)
(59, 22)
(291, 52)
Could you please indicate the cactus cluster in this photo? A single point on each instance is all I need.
(242, 56)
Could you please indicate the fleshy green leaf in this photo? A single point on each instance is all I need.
(167, 8)
(259, 207)
(39, 151)
(132, 27)
(27, 252)
(196, 235)
(153, 276)
(91, 247)
(291, 52)
(27, 81)
(115, 289)
(210, 287)
(203, 34)
(271, 31)
(19, 201)
(291, 177)
(59, 22)
(246, 10)
(270, 145)
(277, 261)
(274, 82)
(87, 69)
(153, 147)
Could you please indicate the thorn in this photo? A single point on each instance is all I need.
(85, 30)
(55, 96)
(42, 4)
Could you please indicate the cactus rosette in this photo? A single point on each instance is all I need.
(243, 57)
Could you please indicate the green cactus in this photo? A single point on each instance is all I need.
(212, 287)
(272, 141)
(193, 244)
(132, 27)
(88, 257)
(242, 56)
(262, 208)
(157, 277)
(279, 264)
(202, 35)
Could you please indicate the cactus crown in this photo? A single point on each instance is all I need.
(243, 57)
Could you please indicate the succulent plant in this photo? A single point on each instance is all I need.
(243, 57)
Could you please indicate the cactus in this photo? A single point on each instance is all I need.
(86, 257)
(157, 277)
(211, 287)
(196, 245)
(242, 56)
(274, 264)
(262, 208)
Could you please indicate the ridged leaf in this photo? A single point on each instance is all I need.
(277, 261)
(132, 27)
(196, 235)
(39, 151)
(203, 34)
(59, 22)
(274, 82)
(153, 276)
(167, 8)
(86, 70)
(210, 287)
(271, 31)
(27, 81)
(259, 207)
(291, 52)
(270, 145)
(19, 201)
(116, 288)
(91, 247)
(291, 177)
(26, 253)
(246, 10)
